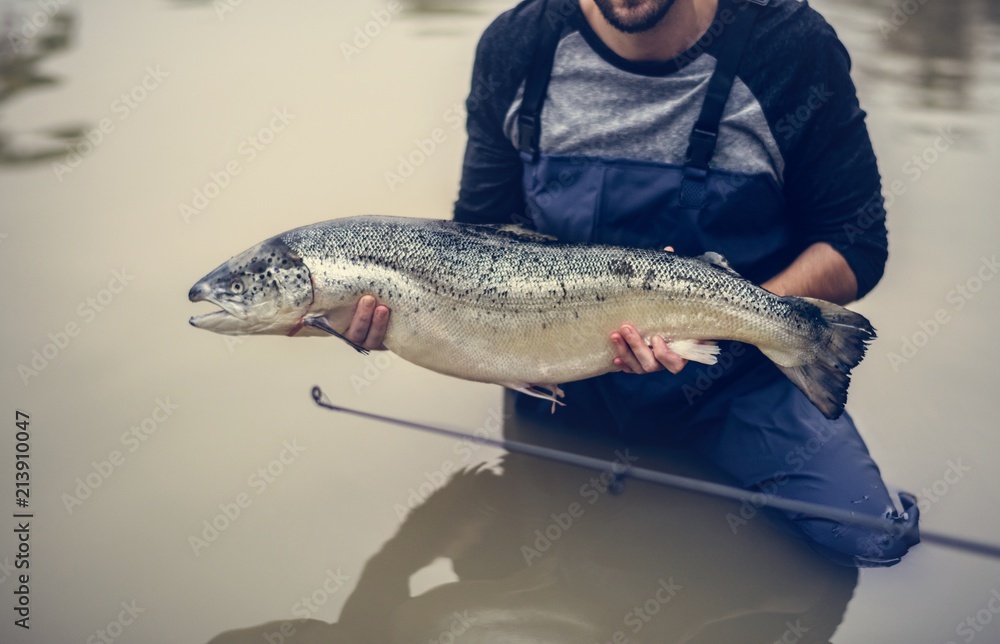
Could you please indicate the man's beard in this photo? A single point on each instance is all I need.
(634, 16)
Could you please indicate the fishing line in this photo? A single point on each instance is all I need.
(708, 488)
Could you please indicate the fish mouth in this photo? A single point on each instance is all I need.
(241, 318)
(231, 320)
(210, 321)
(223, 322)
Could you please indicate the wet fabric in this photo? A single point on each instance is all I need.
(774, 440)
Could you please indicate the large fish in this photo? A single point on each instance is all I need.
(505, 305)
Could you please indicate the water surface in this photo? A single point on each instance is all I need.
(141, 143)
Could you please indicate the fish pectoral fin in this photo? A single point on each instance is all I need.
(535, 391)
(703, 351)
(321, 323)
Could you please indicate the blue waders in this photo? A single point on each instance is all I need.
(742, 414)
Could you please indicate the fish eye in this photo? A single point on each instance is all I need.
(236, 287)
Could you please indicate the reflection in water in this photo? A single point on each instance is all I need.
(27, 39)
(545, 553)
(436, 11)
(441, 6)
(938, 38)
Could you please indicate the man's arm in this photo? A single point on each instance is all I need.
(820, 272)
(490, 190)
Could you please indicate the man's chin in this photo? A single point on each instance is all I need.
(642, 16)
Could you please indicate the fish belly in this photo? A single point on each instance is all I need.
(540, 346)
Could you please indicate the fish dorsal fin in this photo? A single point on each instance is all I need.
(518, 231)
(716, 259)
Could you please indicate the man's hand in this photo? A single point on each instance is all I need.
(633, 355)
(369, 324)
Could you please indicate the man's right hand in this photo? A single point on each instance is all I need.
(369, 324)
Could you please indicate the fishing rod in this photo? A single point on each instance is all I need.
(708, 488)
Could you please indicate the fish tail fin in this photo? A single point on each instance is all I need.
(826, 378)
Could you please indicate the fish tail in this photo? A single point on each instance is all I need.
(826, 378)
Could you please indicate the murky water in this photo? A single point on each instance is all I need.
(183, 485)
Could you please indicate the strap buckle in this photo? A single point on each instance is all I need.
(527, 133)
(701, 145)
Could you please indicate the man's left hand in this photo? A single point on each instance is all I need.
(633, 355)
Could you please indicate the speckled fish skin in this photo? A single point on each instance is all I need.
(504, 305)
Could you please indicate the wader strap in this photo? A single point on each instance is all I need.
(537, 82)
(701, 145)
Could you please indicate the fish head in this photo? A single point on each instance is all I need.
(264, 290)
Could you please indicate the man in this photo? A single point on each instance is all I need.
(702, 125)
